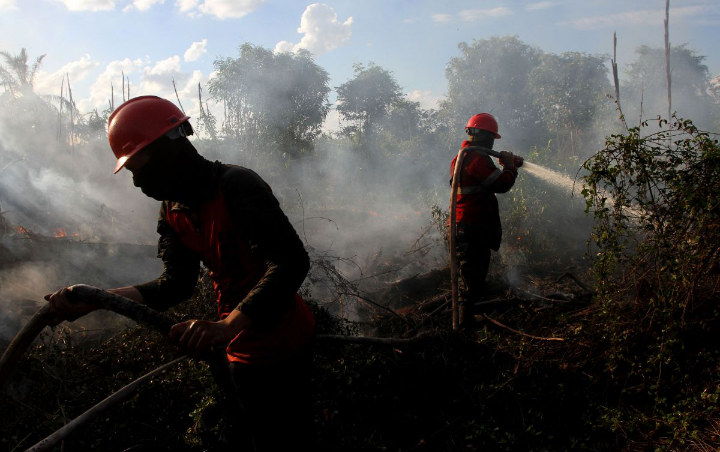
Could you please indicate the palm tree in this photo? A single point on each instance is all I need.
(16, 75)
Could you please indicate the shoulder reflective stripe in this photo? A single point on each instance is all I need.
(471, 189)
(492, 178)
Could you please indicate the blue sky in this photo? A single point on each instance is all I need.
(156, 41)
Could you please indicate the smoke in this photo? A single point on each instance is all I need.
(70, 220)
(366, 215)
(65, 218)
(363, 205)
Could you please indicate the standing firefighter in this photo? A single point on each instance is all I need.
(477, 216)
(226, 218)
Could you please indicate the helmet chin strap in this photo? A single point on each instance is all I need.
(183, 130)
(485, 141)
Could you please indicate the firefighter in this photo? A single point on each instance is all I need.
(478, 228)
(227, 218)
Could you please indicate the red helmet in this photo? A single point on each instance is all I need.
(483, 121)
(138, 122)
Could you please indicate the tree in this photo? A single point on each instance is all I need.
(402, 120)
(570, 91)
(271, 98)
(368, 96)
(646, 87)
(491, 75)
(16, 75)
(23, 106)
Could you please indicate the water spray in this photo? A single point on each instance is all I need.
(548, 175)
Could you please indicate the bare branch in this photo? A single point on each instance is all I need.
(114, 398)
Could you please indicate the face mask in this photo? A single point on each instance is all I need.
(155, 184)
(165, 175)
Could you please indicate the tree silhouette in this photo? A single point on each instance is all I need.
(16, 75)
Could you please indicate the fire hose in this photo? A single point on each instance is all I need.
(453, 222)
(140, 313)
(159, 322)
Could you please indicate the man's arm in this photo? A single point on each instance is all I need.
(257, 213)
(502, 180)
(181, 268)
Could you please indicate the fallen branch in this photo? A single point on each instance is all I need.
(429, 316)
(373, 340)
(118, 396)
(495, 322)
(432, 304)
(574, 278)
(540, 297)
(377, 305)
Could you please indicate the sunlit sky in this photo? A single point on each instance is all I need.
(153, 42)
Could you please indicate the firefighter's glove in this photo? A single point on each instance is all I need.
(507, 160)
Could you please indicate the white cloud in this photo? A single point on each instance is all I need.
(76, 71)
(6, 5)
(442, 18)
(111, 81)
(639, 17)
(166, 77)
(322, 31)
(222, 9)
(143, 5)
(88, 5)
(284, 46)
(142, 77)
(195, 51)
(188, 93)
(473, 15)
(187, 6)
(540, 5)
(164, 66)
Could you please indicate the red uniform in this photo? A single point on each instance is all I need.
(210, 233)
(478, 228)
(477, 205)
(257, 262)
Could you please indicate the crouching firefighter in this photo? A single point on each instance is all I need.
(477, 216)
(227, 218)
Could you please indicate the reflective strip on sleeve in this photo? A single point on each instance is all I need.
(492, 178)
(471, 189)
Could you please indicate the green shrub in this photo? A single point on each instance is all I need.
(655, 192)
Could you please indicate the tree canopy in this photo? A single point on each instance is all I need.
(16, 75)
(278, 98)
(368, 96)
(570, 91)
(646, 86)
(492, 75)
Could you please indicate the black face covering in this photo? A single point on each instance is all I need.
(172, 171)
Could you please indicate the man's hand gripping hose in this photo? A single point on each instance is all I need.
(506, 158)
(215, 357)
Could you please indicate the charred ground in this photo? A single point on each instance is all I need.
(531, 375)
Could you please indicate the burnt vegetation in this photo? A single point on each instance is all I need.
(600, 326)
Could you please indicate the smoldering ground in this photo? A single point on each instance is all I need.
(67, 219)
